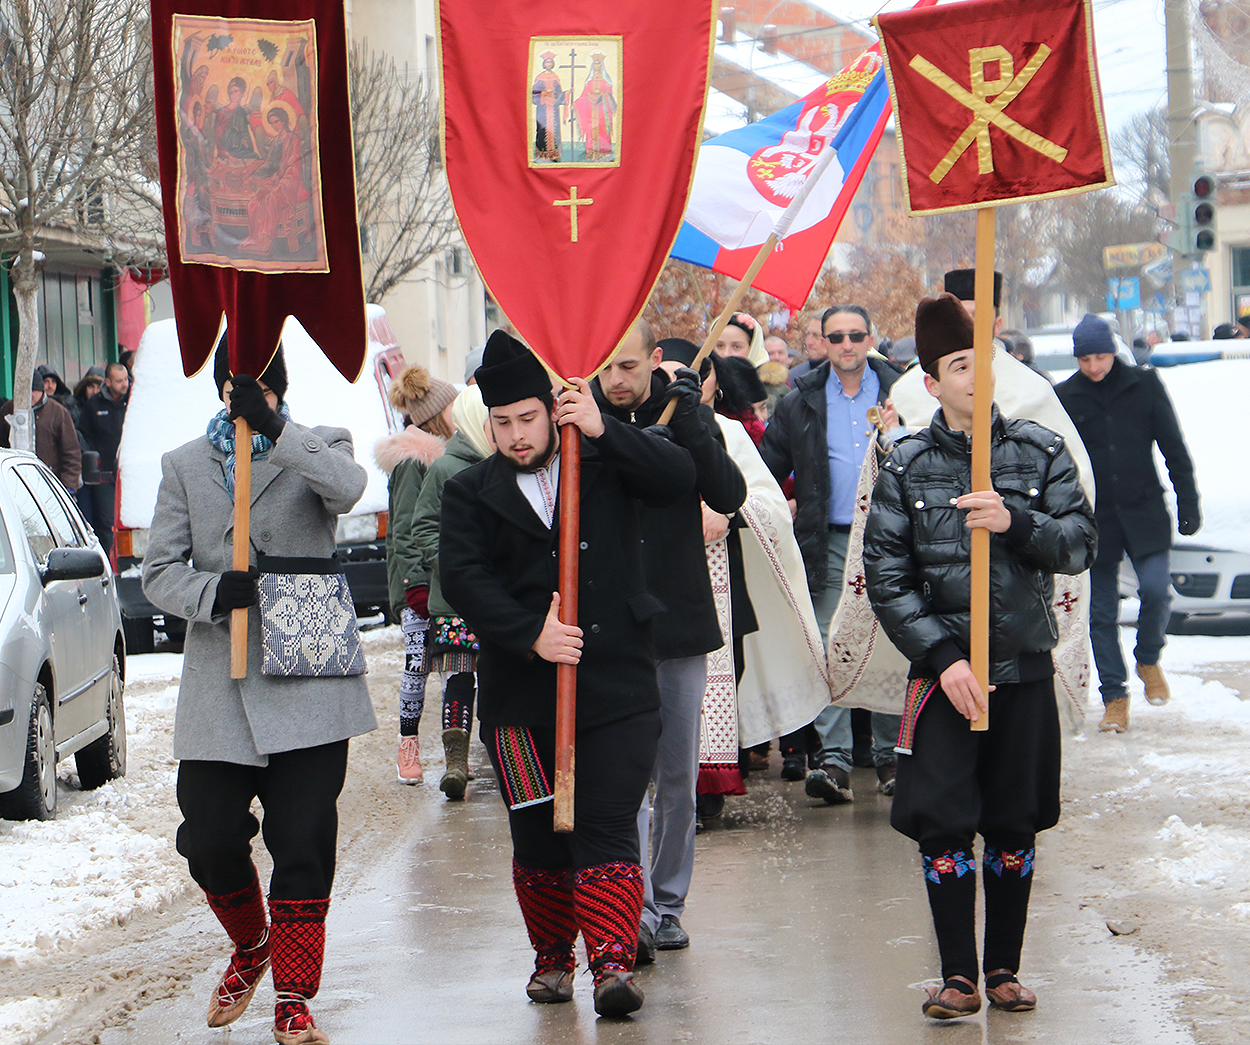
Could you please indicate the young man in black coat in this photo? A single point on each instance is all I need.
(953, 783)
(1121, 413)
(634, 390)
(102, 421)
(498, 565)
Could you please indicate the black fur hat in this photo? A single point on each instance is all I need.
(962, 283)
(274, 377)
(739, 384)
(943, 326)
(510, 372)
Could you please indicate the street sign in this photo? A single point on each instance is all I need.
(1131, 255)
(1158, 272)
(1123, 294)
(1196, 281)
(1155, 303)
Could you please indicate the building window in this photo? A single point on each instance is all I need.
(1241, 280)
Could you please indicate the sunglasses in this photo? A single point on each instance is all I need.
(836, 338)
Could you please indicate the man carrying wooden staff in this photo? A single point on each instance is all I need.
(497, 560)
(954, 783)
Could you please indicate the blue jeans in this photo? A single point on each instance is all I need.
(833, 724)
(1153, 589)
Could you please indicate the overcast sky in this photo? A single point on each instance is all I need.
(1128, 35)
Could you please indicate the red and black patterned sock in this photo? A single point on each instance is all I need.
(546, 899)
(1007, 875)
(608, 899)
(299, 940)
(951, 881)
(242, 913)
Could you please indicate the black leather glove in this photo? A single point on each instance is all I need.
(236, 589)
(686, 390)
(1189, 519)
(248, 402)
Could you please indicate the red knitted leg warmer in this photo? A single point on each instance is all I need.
(299, 942)
(546, 899)
(608, 899)
(242, 914)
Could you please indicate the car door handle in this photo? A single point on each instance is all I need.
(82, 598)
(104, 582)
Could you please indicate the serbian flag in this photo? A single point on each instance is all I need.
(747, 177)
(569, 131)
(997, 101)
(258, 185)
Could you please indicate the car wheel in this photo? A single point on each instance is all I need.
(35, 797)
(105, 759)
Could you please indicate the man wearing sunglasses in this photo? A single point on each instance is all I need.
(820, 433)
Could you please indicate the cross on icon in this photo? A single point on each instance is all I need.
(573, 202)
(987, 100)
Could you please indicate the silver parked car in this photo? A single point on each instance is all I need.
(1210, 589)
(62, 654)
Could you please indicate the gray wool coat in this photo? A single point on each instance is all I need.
(309, 478)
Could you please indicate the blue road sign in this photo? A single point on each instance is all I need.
(1123, 293)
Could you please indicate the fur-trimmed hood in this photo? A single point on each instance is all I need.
(412, 444)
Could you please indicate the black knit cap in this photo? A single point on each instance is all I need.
(679, 350)
(274, 377)
(962, 283)
(943, 326)
(510, 372)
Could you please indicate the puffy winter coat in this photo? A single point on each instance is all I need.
(427, 514)
(917, 548)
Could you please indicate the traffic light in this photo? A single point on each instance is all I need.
(1202, 215)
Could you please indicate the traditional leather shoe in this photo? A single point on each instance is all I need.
(616, 993)
(238, 983)
(554, 985)
(832, 783)
(645, 955)
(949, 1003)
(670, 936)
(1010, 994)
(1115, 716)
(293, 1023)
(709, 807)
(1157, 691)
(793, 767)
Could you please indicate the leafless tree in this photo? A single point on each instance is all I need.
(1088, 223)
(76, 141)
(1140, 152)
(402, 198)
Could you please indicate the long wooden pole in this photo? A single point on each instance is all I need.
(982, 399)
(566, 674)
(242, 540)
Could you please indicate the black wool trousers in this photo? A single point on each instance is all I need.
(298, 792)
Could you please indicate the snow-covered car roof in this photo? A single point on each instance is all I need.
(168, 409)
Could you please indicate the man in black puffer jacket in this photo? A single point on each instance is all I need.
(954, 784)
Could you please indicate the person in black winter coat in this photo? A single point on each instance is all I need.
(1122, 412)
(634, 390)
(498, 567)
(954, 783)
(102, 422)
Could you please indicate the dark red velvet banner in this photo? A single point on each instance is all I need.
(257, 179)
(996, 101)
(569, 130)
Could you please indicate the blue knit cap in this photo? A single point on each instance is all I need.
(1092, 336)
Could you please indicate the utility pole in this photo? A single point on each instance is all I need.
(1182, 135)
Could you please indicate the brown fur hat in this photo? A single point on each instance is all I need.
(943, 326)
(419, 395)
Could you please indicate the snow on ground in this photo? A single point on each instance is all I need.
(110, 854)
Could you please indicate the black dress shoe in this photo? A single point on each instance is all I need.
(670, 936)
(709, 806)
(793, 767)
(832, 783)
(646, 945)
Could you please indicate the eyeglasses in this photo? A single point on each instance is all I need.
(837, 337)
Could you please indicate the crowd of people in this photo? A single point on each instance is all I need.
(76, 434)
(725, 526)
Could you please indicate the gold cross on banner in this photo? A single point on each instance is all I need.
(987, 100)
(572, 203)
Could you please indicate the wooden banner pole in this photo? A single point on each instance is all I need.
(566, 674)
(242, 540)
(982, 400)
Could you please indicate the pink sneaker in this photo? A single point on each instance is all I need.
(409, 760)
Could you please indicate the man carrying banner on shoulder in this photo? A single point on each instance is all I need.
(498, 566)
(954, 783)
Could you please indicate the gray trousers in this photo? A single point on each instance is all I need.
(668, 822)
(833, 724)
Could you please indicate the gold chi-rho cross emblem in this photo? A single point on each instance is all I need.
(987, 100)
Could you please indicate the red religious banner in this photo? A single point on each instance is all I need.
(570, 133)
(996, 101)
(254, 136)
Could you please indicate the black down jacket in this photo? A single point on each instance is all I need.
(917, 549)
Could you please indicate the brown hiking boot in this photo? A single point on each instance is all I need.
(949, 1002)
(1157, 691)
(456, 778)
(1115, 716)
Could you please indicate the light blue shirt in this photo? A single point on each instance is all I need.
(849, 434)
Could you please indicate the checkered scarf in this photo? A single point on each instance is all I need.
(221, 435)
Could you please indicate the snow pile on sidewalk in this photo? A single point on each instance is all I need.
(110, 853)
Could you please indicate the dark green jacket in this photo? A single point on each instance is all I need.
(405, 457)
(459, 456)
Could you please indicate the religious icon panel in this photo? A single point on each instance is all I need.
(575, 102)
(249, 179)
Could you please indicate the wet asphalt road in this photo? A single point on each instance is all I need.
(809, 925)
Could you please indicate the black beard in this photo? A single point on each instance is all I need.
(553, 445)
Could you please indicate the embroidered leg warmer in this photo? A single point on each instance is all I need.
(299, 941)
(1008, 878)
(242, 914)
(546, 899)
(608, 899)
(950, 877)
